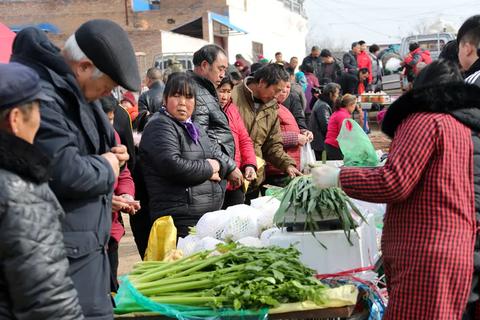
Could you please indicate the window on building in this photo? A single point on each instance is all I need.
(295, 6)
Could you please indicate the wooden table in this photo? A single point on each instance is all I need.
(341, 312)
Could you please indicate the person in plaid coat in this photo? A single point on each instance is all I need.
(428, 185)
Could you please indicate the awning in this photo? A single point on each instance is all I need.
(223, 26)
(6, 41)
(45, 26)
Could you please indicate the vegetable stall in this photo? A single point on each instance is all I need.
(256, 261)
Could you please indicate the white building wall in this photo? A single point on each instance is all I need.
(175, 42)
(268, 22)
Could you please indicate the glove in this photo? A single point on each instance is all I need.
(325, 176)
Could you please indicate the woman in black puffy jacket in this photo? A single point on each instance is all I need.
(181, 167)
(34, 281)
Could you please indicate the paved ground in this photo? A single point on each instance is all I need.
(128, 251)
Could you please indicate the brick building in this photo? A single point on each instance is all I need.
(250, 27)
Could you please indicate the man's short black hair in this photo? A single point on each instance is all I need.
(256, 66)
(361, 42)
(354, 44)
(325, 53)
(307, 67)
(413, 46)
(315, 48)
(207, 53)
(470, 32)
(290, 71)
(271, 74)
(363, 71)
(108, 103)
(450, 52)
(277, 53)
(374, 48)
(154, 74)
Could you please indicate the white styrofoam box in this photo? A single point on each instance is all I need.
(339, 255)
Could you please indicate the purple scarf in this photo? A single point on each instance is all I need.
(191, 128)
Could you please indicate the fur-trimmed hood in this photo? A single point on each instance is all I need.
(458, 99)
(23, 158)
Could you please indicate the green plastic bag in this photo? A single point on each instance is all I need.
(357, 149)
(129, 300)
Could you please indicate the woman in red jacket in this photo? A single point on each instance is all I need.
(244, 153)
(348, 104)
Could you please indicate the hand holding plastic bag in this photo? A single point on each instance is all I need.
(357, 149)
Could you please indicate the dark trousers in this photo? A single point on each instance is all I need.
(112, 252)
(141, 225)
(333, 153)
(233, 197)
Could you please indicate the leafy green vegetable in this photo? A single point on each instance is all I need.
(240, 278)
(302, 197)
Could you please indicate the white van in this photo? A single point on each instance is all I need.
(431, 42)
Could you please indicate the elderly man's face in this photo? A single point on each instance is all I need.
(93, 87)
(315, 53)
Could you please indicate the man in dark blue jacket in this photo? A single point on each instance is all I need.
(76, 134)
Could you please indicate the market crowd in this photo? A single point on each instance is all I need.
(76, 152)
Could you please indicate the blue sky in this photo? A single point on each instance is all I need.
(340, 22)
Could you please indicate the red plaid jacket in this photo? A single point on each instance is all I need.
(429, 227)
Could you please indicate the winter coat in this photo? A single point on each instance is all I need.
(177, 173)
(335, 125)
(151, 100)
(351, 84)
(74, 134)
(318, 124)
(412, 60)
(472, 75)
(364, 61)
(294, 104)
(244, 151)
(290, 131)
(377, 71)
(430, 183)
(315, 61)
(350, 63)
(210, 117)
(34, 281)
(123, 185)
(263, 126)
(123, 126)
(312, 82)
(337, 70)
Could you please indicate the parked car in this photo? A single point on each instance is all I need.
(431, 42)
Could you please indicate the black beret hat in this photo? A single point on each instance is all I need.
(107, 45)
(19, 85)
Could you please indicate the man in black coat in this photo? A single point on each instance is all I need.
(350, 59)
(314, 59)
(331, 68)
(76, 134)
(152, 99)
(210, 65)
(34, 280)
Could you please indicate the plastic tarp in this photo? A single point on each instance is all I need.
(6, 41)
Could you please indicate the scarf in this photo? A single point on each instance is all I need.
(188, 124)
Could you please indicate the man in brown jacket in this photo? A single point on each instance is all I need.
(255, 98)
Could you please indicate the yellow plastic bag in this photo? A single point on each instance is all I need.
(162, 239)
(260, 164)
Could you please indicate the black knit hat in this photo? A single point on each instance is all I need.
(107, 45)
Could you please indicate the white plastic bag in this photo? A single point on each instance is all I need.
(211, 224)
(267, 234)
(250, 242)
(207, 243)
(307, 156)
(242, 222)
(267, 206)
(188, 244)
